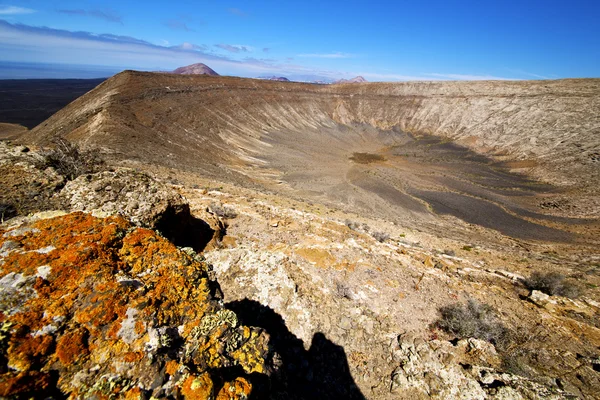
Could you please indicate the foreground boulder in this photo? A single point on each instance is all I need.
(26, 185)
(96, 308)
(123, 191)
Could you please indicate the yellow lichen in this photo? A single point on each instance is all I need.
(239, 389)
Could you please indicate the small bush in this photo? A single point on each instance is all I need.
(352, 225)
(342, 290)
(552, 283)
(380, 236)
(222, 211)
(7, 211)
(467, 248)
(472, 319)
(69, 161)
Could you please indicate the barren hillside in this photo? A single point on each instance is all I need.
(523, 153)
(553, 123)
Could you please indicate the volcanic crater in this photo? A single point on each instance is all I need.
(488, 153)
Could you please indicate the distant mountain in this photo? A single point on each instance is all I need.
(195, 69)
(275, 78)
(357, 79)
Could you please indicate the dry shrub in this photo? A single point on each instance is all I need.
(70, 161)
(553, 283)
(472, 319)
(342, 290)
(380, 236)
(7, 211)
(352, 225)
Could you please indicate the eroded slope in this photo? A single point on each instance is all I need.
(300, 139)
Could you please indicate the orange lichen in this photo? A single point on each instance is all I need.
(239, 389)
(23, 384)
(72, 345)
(113, 291)
(198, 387)
(171, 367)
(28, 351)
(133, 356)
(317, 256)
(134, 394)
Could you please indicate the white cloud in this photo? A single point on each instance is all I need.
(467, 77)
(24, 43)
(372, 76)
(235, 48)
(13, 10)
(529, 74)
(189, 46)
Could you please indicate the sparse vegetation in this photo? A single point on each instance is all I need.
(352, 225)
(366, 158)
(356, 226)
(472, 319)
(380, 236)
(7, 211)
(222, 211)
(553, 283)
(70, 161)
(342, 290)
(467, 248)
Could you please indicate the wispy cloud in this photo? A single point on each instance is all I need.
(326, 55)
(266, 49)
(373, 76)
(181, 23)
(14, 10)
(235, 48)
(26, 43)
(528, 74)
(189, 46)
(107, 15)
(177, 25)
(238, 12)
(467, 77)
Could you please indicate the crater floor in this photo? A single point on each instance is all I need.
(412, 179)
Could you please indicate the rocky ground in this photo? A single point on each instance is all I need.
(337, 305)
(292, 242)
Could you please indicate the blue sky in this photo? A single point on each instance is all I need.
(380, 40)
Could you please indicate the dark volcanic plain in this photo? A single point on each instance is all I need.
(28, 102)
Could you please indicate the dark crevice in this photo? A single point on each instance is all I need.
(181, 228)
(493, 385)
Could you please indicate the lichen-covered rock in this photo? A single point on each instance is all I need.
(129, 193)
(97, 308)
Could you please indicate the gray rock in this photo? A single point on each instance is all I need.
(541, 299)
(132, 194)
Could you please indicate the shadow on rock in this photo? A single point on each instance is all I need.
(322, 372)
(181, 228)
